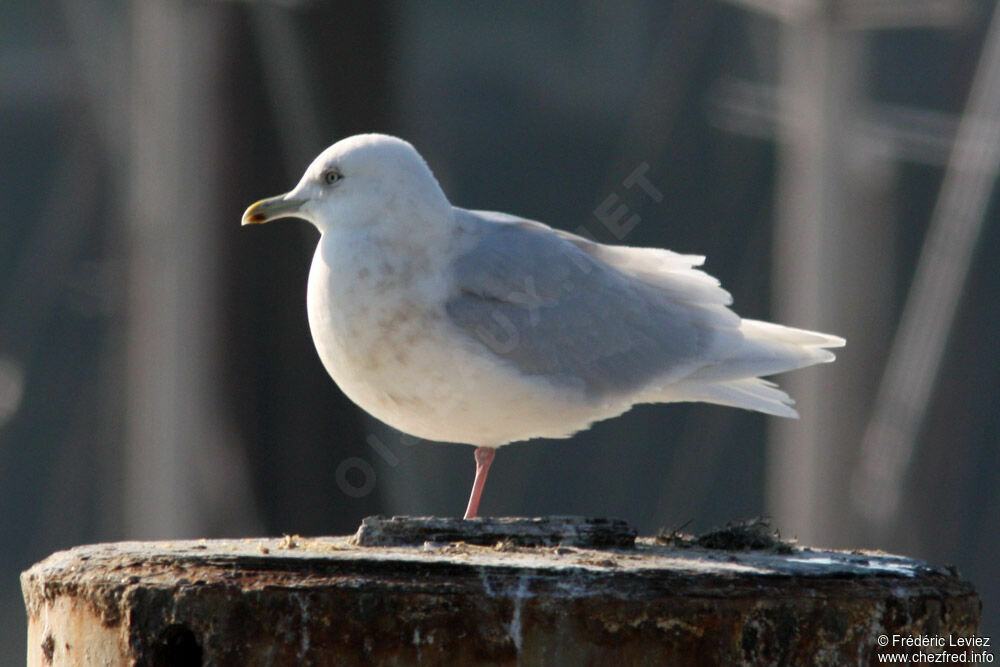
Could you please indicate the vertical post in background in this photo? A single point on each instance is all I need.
(821, 70)
(169, 249)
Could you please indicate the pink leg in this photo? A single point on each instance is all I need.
(484, 457)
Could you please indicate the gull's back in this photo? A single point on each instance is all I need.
(618, 324)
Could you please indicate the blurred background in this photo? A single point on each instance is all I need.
(835, 160)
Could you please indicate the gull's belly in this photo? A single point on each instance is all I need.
(387, 342)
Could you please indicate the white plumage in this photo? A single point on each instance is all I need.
(484, 328)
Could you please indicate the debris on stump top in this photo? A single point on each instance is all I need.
(550, 531)
(531, 544)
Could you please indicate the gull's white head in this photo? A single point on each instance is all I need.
(358, 181)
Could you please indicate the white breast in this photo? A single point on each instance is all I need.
(379, 325)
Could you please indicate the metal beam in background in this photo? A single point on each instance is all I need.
(783, 10)
(896, 14)
(868, 14)
(835, 158)
(908, 381)
(884, 131)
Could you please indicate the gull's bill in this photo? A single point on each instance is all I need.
(272, 208)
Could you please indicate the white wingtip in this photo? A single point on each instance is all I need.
(748, 393)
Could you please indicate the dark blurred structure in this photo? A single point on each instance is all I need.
(157, 378)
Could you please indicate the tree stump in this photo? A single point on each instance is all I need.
(559, 591)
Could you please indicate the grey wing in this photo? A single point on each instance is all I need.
(554, 307)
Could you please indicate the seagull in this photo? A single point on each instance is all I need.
(484, 328)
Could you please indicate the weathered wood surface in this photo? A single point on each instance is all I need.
(299, 601)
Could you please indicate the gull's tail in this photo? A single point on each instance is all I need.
(767, 349)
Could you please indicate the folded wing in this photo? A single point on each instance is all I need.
(614, 321)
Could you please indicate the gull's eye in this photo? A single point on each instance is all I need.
(331, 176)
